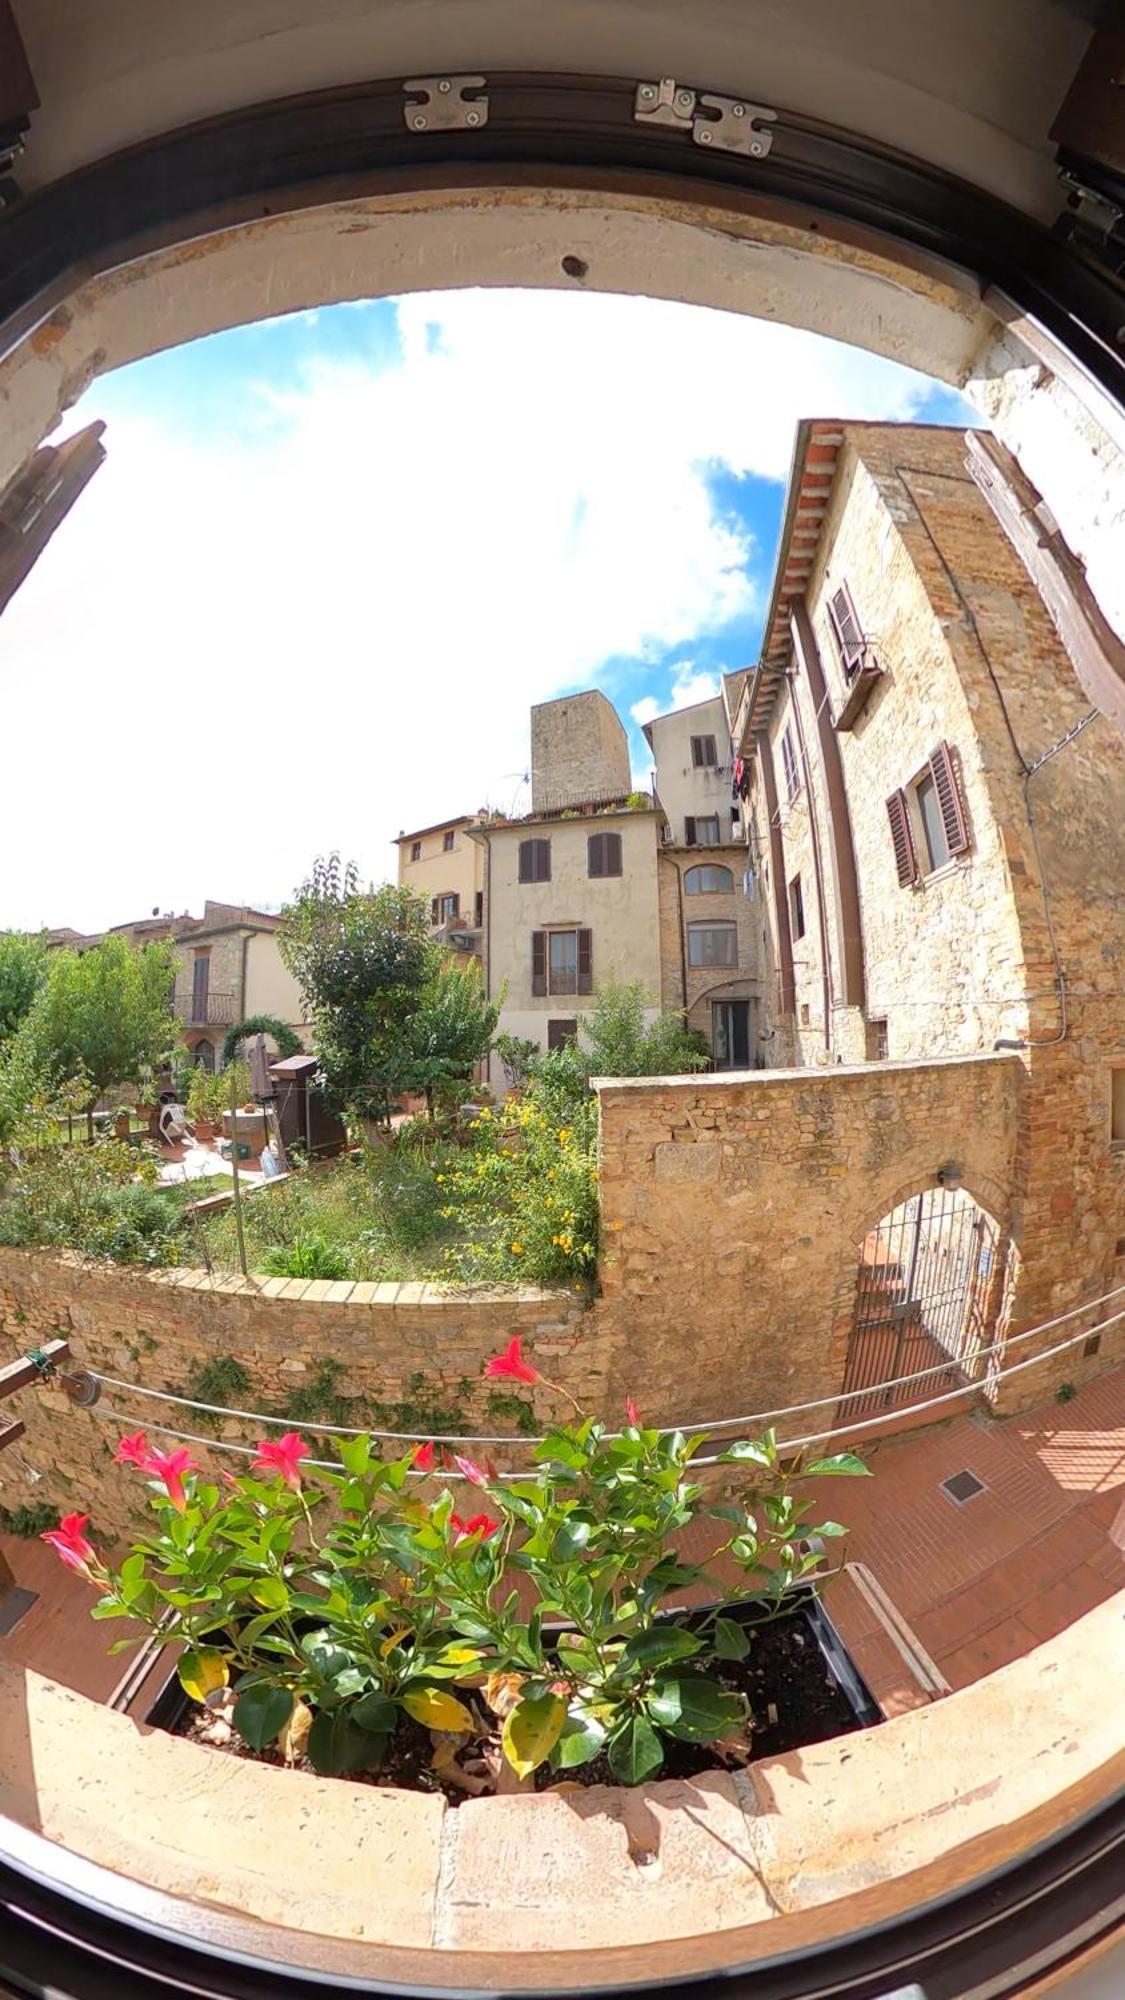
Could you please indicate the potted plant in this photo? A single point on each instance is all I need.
(363, 1619)
(204, 1103)
(122, 1124)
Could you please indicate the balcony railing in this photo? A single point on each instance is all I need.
(206, 1010)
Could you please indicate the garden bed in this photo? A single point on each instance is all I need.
(798, 1679)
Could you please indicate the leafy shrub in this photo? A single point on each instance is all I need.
(101, 1199)
(591, 1530)
(529, 1208)
(307, 1257)
(517, 1057)
(31, 1519)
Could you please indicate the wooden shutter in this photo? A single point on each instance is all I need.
(538, 962)
(585, 961)
(949, 799)
(846, 629)
(689, 832)
(595, 854)
(905, 859)
(613, 854)
(527, 862)
(456, 902)
(542, 861)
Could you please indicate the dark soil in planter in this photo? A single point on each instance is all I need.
(797, 1678)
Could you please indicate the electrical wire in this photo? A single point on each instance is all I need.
(757, 1417)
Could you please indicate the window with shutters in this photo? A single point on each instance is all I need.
(448, 843)
(927, 819)
(709, 880)
(796, 909)
(789, 763)
(535, 861)
(416, 850)
(702, 830)
(846, 631)
(562, 961)
(448, 907)
(703, 753)
(603, 854)
(712, 944)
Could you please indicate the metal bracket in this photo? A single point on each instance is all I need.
(1092, 220)
(439, 104)
(737, 126)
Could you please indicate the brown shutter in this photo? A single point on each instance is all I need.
(585, 961)
(949, 799)
(538, 962)
(905, 860)
(527, 860)
(456, 906)
(613, 854)
(689, 832)
(543, 861)
(595, 855)
(434, 910)
(846, 628)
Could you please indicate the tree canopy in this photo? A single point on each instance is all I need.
(23, 968)
(446, 1033)
(104, 1014)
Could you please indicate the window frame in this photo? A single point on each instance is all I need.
(700, 761)
(416, 850)
(910, 829)
(692, 824)
(850, 650)
(798, 924)
(790, 768)
(449, 841)
(709, 888)
(724, 927)
(606, 845)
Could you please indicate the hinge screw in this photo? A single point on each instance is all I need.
(473, 118)
(705, 137)
(738, 111)
(755, 149)
(647, 92)
(683, 98)
(419, 124)
(443, 86)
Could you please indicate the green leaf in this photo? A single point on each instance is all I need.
(201, 1673)
(843, 1462)
(828, 1528)
(748, 1452)
(693, 1708)
(438, 1710)
(571, 1538)
(635, 1752)
(659, 1645)
(531, 1730)
(583, 1736)
(336, 1745)
(261, 1712)
(327, 1658)
(355, 1455)
(731, 1642)
(270, 1593)
(376, 1712)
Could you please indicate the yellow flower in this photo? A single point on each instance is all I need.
(484, 1113)
(565, 1134)
(517, 1249)
(439, 1178)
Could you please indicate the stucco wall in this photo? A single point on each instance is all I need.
(684, 788)
(438, 873)
(270, 988)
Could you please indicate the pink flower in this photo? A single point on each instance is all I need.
(632, 1414)
(512, 1364)
(171, 1466)
(478, 1524)
(422, 1457)
(471, 1470)
(134, 1451)
(283, 1455)
(71, 1545)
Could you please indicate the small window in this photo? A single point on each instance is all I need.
(535, 860)
(712, 944)
(927, 819)
(702, 830)
(708, 880)
(789, 760)
(416, 850)
(478, 909)
(804, 1013)
(562, 961)
(876, 1036)
(603, 854)
(1117, 1110)
(796, 908)
(846, 631)
(447, 842)
(449, 907)
(559, 1033)
(703, 753)
(937, 849)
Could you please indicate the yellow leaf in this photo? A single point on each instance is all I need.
(201, 1673)
(389, 1645)
(502, 1691)
(438, 1710)
(293, 1737)
(531, 1732)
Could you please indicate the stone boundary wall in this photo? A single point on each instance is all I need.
(733, 1209)
(158, 1328)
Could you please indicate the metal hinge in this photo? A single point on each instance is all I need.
(734, 127)
(1093, 220)
(439, 104)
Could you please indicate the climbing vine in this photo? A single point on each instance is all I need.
(288, 1044)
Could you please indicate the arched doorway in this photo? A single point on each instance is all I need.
(928, 1287)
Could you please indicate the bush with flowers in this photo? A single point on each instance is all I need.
(524, 1626)
(526, 1195)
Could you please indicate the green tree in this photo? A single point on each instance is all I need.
(448, 1031)
(105, 1015)
(617, 1041)
(361, 958)
(23, 968)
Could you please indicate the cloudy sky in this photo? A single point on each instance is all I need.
(332, 559)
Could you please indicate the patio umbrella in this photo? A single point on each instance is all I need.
(261, 1085)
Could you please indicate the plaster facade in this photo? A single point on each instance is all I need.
(444, 866)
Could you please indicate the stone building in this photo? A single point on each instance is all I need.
(709, 946)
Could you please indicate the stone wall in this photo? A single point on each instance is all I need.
(394, 1344)
(734, 1208)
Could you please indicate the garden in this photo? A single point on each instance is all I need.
(435, 1622)
(472, 1189)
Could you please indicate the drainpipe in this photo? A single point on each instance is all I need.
(683, 944)
(242, 980)
(818, 871)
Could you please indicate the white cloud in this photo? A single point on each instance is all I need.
(646, 710)
(239, 651)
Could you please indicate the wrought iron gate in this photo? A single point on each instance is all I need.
(923, 1294)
